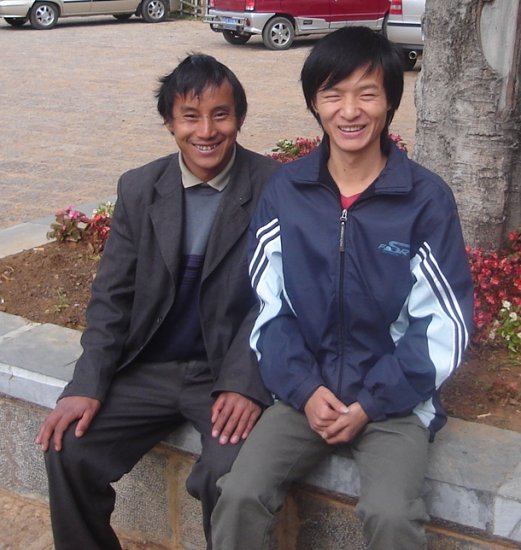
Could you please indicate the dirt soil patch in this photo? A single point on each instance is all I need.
(51, 284)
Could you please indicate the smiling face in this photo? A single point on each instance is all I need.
(205, 128)
(353, 113)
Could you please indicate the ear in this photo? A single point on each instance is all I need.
(241, 122)
(170, 126)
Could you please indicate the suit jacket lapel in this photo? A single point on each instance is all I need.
(166, 214)
(232, 217)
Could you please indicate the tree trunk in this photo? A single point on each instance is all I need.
(468, 99)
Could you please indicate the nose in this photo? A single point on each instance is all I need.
(206, 126)
(350, 108)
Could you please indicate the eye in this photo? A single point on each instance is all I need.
(330, 97)
(220, 116)
(190, 117)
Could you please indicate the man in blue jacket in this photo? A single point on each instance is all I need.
(169, 318)
(359, 264)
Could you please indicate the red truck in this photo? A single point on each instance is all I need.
(279, 21)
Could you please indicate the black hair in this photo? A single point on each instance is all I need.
(337, 55)
(192, 76)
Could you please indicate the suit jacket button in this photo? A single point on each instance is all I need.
(158, 320)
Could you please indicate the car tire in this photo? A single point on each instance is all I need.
(15, 21)
(236, 38)
(278, 34)
(154, 11)
(122, 16)
(44, 15)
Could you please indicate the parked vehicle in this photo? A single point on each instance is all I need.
(44, 14)
(404, 28)
(279, 21)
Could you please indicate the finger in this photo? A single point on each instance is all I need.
(240, 428)
(254, 416)
(46, 429)
(229, 427)
(221, 420)
(336, 427)
(43, 436)
(335, 403)
(218, 406)
(326, 416)
(59, 430)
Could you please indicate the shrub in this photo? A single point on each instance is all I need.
(287, 150)
(98, 227)
(497, 293)
(69, 225)
(73, 226)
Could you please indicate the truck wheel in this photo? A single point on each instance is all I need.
(44, 15)
(278, 34)
(236, 38)
(154, 11)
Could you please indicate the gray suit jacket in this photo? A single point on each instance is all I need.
(136, 282)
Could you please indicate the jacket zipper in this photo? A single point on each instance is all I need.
(342, 247)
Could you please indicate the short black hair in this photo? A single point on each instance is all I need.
(192, 76)
(337, 55)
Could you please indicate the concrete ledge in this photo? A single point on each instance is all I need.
(473, 480)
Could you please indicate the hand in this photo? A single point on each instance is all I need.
(233, 417)
(67, 410)
(323, 409)
(346, 426)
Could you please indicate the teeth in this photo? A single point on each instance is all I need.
(351, 128)
(205, 147)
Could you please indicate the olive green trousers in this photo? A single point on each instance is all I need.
(391, 457)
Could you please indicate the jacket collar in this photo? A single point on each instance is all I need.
(395, 178)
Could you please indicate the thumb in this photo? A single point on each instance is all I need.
(335, 403)
(83, 424)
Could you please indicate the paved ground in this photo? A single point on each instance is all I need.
(77, 104)
(77, 109)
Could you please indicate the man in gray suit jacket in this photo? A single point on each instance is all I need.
(169, 318)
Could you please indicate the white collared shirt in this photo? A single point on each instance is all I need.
(218, 183)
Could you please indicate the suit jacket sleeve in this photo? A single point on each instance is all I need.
(108, 312)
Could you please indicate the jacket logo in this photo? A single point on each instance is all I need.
(395, 248)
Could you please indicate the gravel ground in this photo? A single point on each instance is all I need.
(77, 104)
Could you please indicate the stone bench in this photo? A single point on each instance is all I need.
(472, 488)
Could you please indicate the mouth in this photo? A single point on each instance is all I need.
(205, 148)
(352, 129)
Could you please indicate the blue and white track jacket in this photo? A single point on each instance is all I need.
(373, 302)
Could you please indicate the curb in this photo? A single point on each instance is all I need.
(34, 233)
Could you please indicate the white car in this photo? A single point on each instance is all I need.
(404, 28)
(44, 14)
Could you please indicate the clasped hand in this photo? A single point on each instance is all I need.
(334, 421)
